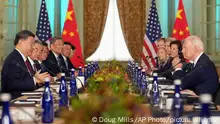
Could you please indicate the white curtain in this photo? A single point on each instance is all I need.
(112, 45)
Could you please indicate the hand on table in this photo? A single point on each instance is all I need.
(190, 92)
(58, 75)
(40, 77)
(176, 63)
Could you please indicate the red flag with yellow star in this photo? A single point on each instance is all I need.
(71, 34)
(180, 30)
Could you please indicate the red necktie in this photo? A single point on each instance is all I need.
(28, 64)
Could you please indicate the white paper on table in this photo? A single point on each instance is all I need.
(24, 102)
(166, 86)
(37, 100)
(32, 93)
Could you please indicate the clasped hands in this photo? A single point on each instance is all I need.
(176, 63)
(40, 77)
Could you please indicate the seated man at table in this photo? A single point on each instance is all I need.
(34, 55)
(67, 51)
(15, 76)
(160, 43)
(53, 61)
(42, 57)
(203, 77)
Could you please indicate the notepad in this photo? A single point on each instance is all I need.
(24, 102)
(34, 98)
(32, 93)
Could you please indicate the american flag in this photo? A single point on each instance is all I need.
(153, 33)
(43, 26)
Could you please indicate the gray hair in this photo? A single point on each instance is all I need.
(54, 39)
(196, 41)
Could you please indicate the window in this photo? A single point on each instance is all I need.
(112, 45)
(10, 24)
(211, 26)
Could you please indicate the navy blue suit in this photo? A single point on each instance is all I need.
(203, 78)
(15, 77)
(68, 67)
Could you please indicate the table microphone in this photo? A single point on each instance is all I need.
(61, 67)
(20, 66)
(171, 68)
(23, 68)
(47, 69)
(50, 61)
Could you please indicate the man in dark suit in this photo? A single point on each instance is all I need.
(67, 51)
(53, 62)
(16, 75)
(203, 77)
(41, 58)
(34, 55)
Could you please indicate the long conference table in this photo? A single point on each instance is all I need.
(27, 108)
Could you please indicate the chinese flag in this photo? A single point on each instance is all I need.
(71, 34)
(180, 30)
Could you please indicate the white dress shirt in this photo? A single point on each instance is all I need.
(65, 60)
(197, 58)
(39, 61)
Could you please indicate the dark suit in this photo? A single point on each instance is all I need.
(51, 64)
(187, 67)
(62, 63)
(37, 65)
(164, 67)
(70, 65)
(203, 78)
(40, 67)
(67, 65)
(15, 77)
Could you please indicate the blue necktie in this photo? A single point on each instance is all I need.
(42, 68)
